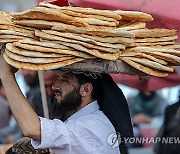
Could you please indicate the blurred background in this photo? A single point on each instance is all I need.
(16, 5)
(167, 94)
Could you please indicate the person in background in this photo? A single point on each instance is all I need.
(145, 106)
(171, 111)
(31, 79)
(49, 79)
(171, 131)
(171, 124)
(5, 113)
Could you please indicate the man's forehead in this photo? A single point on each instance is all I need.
(67, 75)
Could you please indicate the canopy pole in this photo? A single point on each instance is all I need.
(43, 94)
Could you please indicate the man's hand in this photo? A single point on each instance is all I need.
(5, 68)
(141, 118)
(9, 139)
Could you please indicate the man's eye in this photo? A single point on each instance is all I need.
(64, 80)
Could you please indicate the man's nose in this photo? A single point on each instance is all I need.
(56, 86)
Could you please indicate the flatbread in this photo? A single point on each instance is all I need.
(124, 23)
(87, 45)
(5, 18)
(142, 55)
(91, 31)
(108, 39)
(134, 15)
(31, 53)
(93, 21)
(31, 66)
(159, 39)
(106, 13)
(152, 64)
(96, 53)
(132, 26)
(12, 32)
(143, 68)
(8, 40)
(157, 32)
(41, 13)
(40, 24)
(17, 28)
(26, 28)
(37, 60)
(101, 27)
(155, 49)
(81, 15)
(4, 36)
(44, 44)
(151, 44)
(50, 50)
(175, 60)
(11, 37)
(82, 39)
(175, 46)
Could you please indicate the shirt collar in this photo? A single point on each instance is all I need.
(91, 107)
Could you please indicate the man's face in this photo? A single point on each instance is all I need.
(147, 95)
(31, 77)
(65, 83)
(67, 94)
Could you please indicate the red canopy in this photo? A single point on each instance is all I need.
(149, 84)
(56, 2)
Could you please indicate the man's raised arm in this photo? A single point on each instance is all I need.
(25, 116)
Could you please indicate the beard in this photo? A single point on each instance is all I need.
(70, 102)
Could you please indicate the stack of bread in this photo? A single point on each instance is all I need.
(153, 51)
(10, 32)
(51, 37)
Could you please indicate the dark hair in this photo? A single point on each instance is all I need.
(82, 79)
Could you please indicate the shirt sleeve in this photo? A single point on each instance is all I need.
(54, 133)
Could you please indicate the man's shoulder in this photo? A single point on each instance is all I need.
(95, 121)
(95, 124)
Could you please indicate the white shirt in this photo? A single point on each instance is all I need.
(85, 132)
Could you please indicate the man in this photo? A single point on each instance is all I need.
(82, 131)
(171, 112)
(80, 126)
(145, 106)
(31, 79)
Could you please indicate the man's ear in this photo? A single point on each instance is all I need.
(86, 89)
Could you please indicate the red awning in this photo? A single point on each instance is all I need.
(149, 84)
(56, 2)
